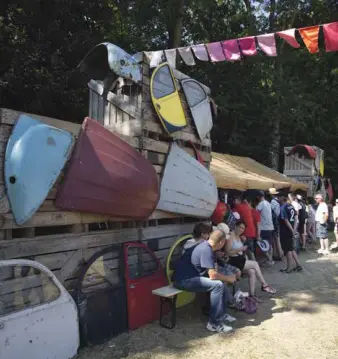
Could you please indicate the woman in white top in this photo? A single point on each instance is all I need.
(235, 250)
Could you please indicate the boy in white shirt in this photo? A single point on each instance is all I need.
(322, 216)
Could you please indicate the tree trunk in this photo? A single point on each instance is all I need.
(275, 142)
(175, 23)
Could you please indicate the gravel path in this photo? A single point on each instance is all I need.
(301, 322)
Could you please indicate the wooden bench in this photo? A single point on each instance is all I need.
(168, 294)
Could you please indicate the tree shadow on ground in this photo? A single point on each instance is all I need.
(303, 292)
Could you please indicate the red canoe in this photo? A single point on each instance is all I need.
(107, 176)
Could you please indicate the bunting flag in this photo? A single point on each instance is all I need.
(248, 46)
(171, 57)
(216, 52)
(200, 52)
(267, 43)
(231, 50)
(290, 37)
(310, 37)
(187, 56)
(331, 36)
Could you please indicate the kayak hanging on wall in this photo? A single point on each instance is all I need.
(199, 105)
(105, 58)
(35, 155)
(166, 99)
(187, 186)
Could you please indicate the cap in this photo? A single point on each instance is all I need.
(273, 191)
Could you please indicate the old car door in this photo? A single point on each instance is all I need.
(101, 296)
(166, 99)
(38, 317)
(199, 106)
(143, 273)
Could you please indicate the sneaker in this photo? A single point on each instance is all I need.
(221, 328)
(320, 251)
(326, 252)
(271, 264)
(228, 318)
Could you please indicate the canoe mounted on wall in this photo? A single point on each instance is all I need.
(166, 99)
(199, 105)
(105, 58)
(35, 155)
(107, 176)
(187, 186)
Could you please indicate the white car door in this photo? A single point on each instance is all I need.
(38, 317)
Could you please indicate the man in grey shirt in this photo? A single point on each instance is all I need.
(266, 227)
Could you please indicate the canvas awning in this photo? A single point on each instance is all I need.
(242, 173)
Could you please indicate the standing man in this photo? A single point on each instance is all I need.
(322, 216)
(302, 216)
(287, 233)
(275, 207)
(266, 226)
(244, 209)
(196, 271)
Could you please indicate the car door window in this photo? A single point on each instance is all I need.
(193, 92)
(163, 84)
(103, 273)
(23, 287)
(141, 263)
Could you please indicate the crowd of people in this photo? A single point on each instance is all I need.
(280, 224)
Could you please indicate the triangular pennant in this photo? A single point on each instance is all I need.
(200, 52)
(289, 37)
(248, 46)
(231, 50)
(267, 43)
(187, 56)
(154, 57)
(171, 57)
(331, 36)
(215, 52)
(310, 37)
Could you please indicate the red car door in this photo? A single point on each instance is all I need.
(143, 273)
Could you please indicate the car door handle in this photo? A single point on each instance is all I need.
(2, 325)
(158, 106)
(132, 286)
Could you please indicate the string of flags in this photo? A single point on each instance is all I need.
(237, 49)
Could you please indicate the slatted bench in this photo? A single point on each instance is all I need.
(168, 294)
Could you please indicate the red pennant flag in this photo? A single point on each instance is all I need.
(248, 46)
(331, 36)
(289, 37)
(267, 43)
(310, 37)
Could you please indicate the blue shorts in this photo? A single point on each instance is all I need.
(321, 230)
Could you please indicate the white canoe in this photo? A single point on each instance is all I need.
(187, 186)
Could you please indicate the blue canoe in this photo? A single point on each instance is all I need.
(35, 155)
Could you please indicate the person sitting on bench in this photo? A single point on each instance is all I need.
(196, 272)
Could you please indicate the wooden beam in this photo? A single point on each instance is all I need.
(8, 117)
(71, 264)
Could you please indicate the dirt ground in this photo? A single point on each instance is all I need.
(300, 322)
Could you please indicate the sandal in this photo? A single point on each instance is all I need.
(286, 270)
(298, 269)
(268, 289)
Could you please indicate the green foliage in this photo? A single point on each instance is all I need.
(265, 103)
